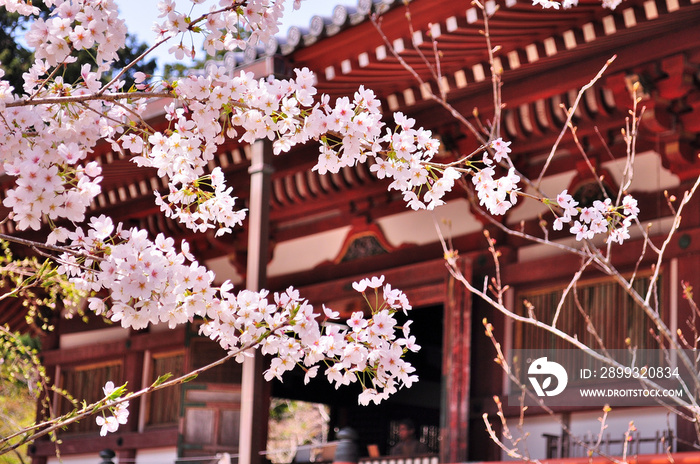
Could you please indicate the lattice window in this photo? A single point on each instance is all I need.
(204, 352)
(612, 312)
(164, 405)
(212, 417)
(85, 383)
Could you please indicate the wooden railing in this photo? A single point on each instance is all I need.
(692, 457)
(431, 459)
(563, 447)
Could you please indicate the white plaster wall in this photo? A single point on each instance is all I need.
(408, 227)
(307, 252)
(418, 227)
(527, 208)
(535, 252)
(649, 176)
(78, 459)
(111, 334)
(145, 456)
(156, 456)
(224, 270)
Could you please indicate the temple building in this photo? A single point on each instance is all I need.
(320, 233)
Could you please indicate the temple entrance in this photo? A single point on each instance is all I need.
(377, 425)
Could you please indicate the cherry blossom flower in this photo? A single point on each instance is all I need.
(108, 389)
(501, 149)
(107, 424)
(330, 314)
(357, 321)
(49, 150)
(630, 206)
(119, 411)
(151, 281)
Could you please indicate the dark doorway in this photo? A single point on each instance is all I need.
(373, 423)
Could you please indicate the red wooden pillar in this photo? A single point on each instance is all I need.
(133, 376)
(685, 268)
(255, 401)
(456, 369)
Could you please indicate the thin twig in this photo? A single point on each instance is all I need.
(570, 115)
(86, 98)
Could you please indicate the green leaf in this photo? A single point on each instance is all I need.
(161, 379)
(118, 392)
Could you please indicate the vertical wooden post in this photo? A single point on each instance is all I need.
(133, 375)
(685, 268)
(254, 389)
(456, 369)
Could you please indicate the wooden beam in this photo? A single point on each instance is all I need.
(456, 372)
(161, 341)
(663, 37)
(120, 441)
(115, 350)
(421, 281)
(101, 352)
(625, 257)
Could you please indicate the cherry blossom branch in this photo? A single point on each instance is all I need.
(436, 56)
(201, 200)
(45, 81)
(604, 263)
(142, 121)
(643, 302)
(570, 114)
(511, 452)
(630, 136)
(502, 361)
(133, 63)
(572, 284)
(519, 233)
(434, 70)
(577, 143)
(34, 244)
(498, 304)
(575, 342)
(495, 73)
(191, 26)
(589, 325)
(19, 287)
(110, 97)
